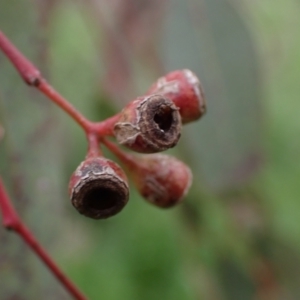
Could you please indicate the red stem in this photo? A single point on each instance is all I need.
(64, 104)
(105, 128)
(33, 77)
(93, 144)
(26, 69)
(127, 159)
(12, 221)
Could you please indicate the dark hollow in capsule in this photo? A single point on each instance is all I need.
(99, 188)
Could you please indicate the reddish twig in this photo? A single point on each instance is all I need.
(124, 157)
(12, 221)
(93, 150)
(53, 95)
(105, 127)
(32, 76)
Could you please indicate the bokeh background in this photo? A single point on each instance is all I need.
(237, 235)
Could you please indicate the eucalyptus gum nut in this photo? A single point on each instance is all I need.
(149, 124)
(98, 188)
(161, 179)
(185, 90)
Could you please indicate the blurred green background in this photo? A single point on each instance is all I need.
(237, 235)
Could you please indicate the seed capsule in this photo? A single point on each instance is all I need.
(98, 188)
(161, 179)
(149, 124)
(185, 90)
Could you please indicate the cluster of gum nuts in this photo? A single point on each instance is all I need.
(149, 124)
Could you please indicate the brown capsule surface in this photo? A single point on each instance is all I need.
(184, 88)
(161, 179)
(98, 188)
(149, 124)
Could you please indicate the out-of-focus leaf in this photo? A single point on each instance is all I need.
(210, 38)
(236, 284)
